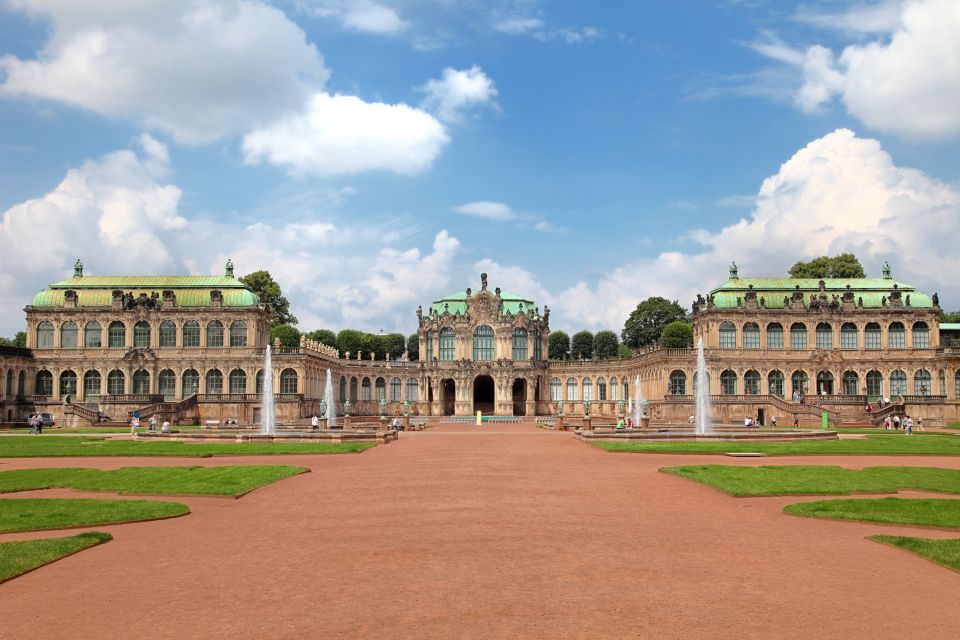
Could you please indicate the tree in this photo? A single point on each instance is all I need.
(373, 343)
(268, 290)
(349, 341)
(19, 340)
(288, 334)
(844, 265)
(558, 345)
(624, 352)
(581, 346)
(647, 321)
(394, 344)
(605, 344)
(413, 347)
(945, 316)
(323, 336)
(677, 335)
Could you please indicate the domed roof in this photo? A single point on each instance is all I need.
(457, 301)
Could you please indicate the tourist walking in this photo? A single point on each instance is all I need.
(315, 423)
(153, 424)
(896, 423)
(134, 425)
(796, 420)
(920, 424)
(887, 423)
(908, 425)
(773, 421)
(34, 423)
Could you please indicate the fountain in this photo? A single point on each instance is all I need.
(267, 417)
(328, 398)
(638, 408)
(702, 406)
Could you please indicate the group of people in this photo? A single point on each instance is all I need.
(625, 423)
(36, 423)
(152, 428)
(907, 423)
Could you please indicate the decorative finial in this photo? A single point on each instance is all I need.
(78, 269)
(733, 271)
(229, 268)
(483, 282)
(886, 270)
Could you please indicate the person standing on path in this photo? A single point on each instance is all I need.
(153, 424)
(134, 425)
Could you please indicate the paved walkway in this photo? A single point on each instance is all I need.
(499, 532)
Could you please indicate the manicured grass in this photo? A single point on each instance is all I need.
(218, 481)
(953, 425)
(58, 447)
(945, 552)
(17, 558)
(880, 444)
(926, 512)
(35, 514)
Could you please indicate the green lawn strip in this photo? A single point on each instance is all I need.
(815, 480)
(953, 425)
(945, 552)
(60, 447)
(17, 558)
(899, 444)
(216, 481)
(922, 512)
(35, 514)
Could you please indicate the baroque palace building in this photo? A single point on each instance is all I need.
(191, 348)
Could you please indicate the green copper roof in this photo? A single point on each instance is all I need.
(773, 290)
(950, 326)
(191, 291)
(458, 302)
(149, 282)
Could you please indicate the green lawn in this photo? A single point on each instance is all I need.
(35, 514)
(880, 444)
(953, 425)
(927, 512)
(57, 447)
(17, 558)
(945, 552)
(813, 480)
(218, 481)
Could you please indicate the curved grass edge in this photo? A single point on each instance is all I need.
(945, 553)
(76, 521)
(92, 447)
(45, 551)
(928, 513)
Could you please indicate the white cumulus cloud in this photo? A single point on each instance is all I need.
(458, 91)
(361, 15)
(486, 209)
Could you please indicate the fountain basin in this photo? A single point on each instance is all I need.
(723, 434)
(378, 436)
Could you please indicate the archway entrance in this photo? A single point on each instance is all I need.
(483, 394)
(449, 396)
(519, 397)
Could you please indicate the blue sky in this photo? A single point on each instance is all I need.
(374, 155)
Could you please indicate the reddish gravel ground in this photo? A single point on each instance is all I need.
(490, 532)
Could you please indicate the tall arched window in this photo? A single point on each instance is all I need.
(214, 334)
(429, 341)
(258, 382)
(45, 335)
(168, 334)
(896, 336)
(93, 335)
(45, 381)
(775, 383)
(214, 381)
(555, 394)
(921, 335)
(537, 347)
(848, 336)
(395, 388)
(601, 388)
(191, 333)
(343, 389)
(678, 383)
(190, 383)
(353, 389)
(141, 334)
(774, 335)
(117, 335)
(799, 382)
(238, 381)
(116, 383)
(365, 389)
(751, 336)
(956, 385)
(588, 389)
(851, 383)
(483, 348)
(519, 344)
(68, 383)
(626, 389)
(728, 383)
(751, 383)
(91, 385)
(728, 335)
(824, 336)
(448, 344)
(10, 382)
(871, 336)
(798, 336)
(825, 382)
(898, 383)
(922, 383)
(141, 382)
(413, 390)
(572, 389)
(68, 335)
(167, 384)
(238, 334)
(874, 385)
(381, 389)
(613, 389)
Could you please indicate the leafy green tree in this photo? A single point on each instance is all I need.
(413, 347)
(581, 346)
(268, 290)
(558, 345)
(844, 265)
(350, 341)
(624, 352)
(677, 335)
(647, 321)
(945, 316)
(288, 334)
(605, 344)
(19, 340)
(394, 344)
(374, 342)
(324, 336)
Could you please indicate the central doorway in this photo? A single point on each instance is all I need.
(519, 397)
(449, 395)
(483, 395)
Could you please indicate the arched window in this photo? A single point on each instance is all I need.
(395, 389)
(10, 382)
(751, 336)
(429, 341)
(896, 336)
(238, 334)
(871, 336)
(68, 335)
(92, 335)
(874, 385)
(167, 384)
(774, 335)
(519, 344)
(168, 334)
(365, 390)
(956, 385)
(343, 389)
(381, 388)
(555, 388)
(190, 383)
(258, 382)
(45, 380)
(141, 334)
(68, 383)
(141, 382)
(851, 383)
(898, 384)
(588, 389)
(448, 344)
(678, 383)
(214, 381)
(728, 383)
(238, 381)
(572, 389)
(799, 383)
(21, 383)
(825, 382)
(798, 336)
(45, 335)
(413, 390)
(353, 389)
(191, 333)
(775, 383)
(728, 335)
(91, 385)
(483, 348)
(601, 388)
(117, 335)
(116, 383)
(613, 389)
(921, 335)
(751, 383)
(214, 334)
(922, 383)
(824, 336)
(626, 389)
(943, 382)
(848, 336)
(537, 347)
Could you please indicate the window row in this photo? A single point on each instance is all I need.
(117, 334)
(484, 345)
(379, 390)
(850, 384)
(823, 336)
(574, 387)
(116, 383)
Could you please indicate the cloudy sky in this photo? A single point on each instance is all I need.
(376, 154)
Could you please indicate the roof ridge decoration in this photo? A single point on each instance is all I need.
(228, 268)
(78, 269)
